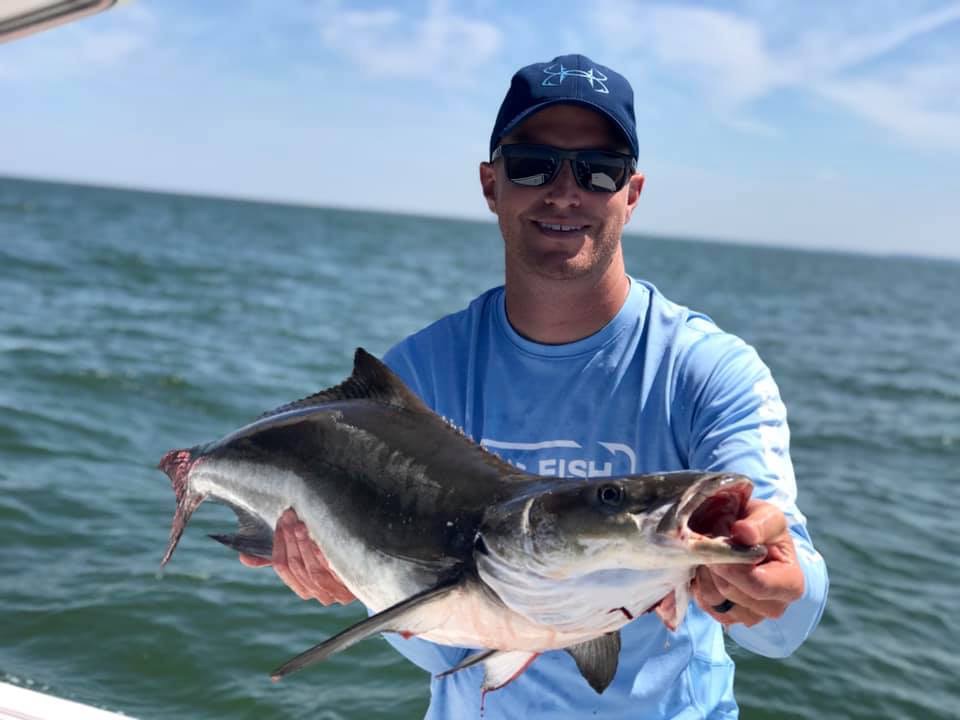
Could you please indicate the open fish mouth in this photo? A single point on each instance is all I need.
(702, 519)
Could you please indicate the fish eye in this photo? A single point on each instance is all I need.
(610, 494)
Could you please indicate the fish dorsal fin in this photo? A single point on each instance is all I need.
(371, 380)
(597, 659)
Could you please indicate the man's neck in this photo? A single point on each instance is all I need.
(554, 312)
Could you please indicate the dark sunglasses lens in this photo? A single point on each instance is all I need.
(529, 167)
(534, 166)
(600, 172)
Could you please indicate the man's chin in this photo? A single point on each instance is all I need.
(559, 265)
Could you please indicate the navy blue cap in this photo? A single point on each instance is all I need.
(571, 79)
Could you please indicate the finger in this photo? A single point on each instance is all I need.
(288, 520)
(711, 600)
(738, 615)
(308, 572)
(707, 596)
(296, 569)
(313, 560)
(345, 597)
(284, 561)
(778, 581)
(305, 569)
(294, 572)
(705, 591)
(728, 612)
(254, 561)
(761, 607)
(317, 577)
(762, 524)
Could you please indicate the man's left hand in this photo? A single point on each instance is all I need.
(758, 591)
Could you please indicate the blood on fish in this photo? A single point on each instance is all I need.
(177, 464)
(653, 607)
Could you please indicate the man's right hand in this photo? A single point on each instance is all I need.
(301, 564)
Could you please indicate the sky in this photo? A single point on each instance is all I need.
(822, 124)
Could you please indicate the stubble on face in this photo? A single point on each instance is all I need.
(532, 248)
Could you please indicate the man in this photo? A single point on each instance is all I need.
(574, 368)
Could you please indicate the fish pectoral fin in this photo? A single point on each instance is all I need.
(500, 667)
(504, 666)
(597, 659)
(253, 537)
(672, 609)
(407, 616)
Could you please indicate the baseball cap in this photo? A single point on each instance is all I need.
(571, 79)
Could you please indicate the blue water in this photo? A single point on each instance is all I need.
(132, 323)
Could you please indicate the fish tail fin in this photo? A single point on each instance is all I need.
(407, 616)
(177, 465)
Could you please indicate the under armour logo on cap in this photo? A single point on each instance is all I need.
(557, 73)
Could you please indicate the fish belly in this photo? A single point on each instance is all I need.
(470, 618)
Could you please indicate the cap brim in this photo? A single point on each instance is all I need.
(511, 126)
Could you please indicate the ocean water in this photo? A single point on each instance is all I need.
(132, 323)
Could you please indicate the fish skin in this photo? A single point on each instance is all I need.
(404, 505)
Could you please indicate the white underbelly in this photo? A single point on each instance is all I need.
(470, 619)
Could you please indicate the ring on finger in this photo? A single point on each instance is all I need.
(724, 607)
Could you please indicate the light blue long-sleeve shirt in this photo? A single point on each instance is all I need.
(658, 388)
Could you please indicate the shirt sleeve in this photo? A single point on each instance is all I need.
(736, 421)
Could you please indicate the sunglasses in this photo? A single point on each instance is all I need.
(537, 165)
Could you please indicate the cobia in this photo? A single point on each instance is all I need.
(443, 540)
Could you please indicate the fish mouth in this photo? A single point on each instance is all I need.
(701, 520)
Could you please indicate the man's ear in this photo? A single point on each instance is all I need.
(634, 186)
(488, 182)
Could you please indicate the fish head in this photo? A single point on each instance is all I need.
(638, 522)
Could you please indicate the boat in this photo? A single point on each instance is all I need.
(18, 703)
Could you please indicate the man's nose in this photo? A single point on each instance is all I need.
(564, 191)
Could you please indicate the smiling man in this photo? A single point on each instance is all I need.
(573, 367)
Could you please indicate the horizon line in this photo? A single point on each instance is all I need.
(721, 240)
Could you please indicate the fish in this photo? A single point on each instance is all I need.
(442, 539)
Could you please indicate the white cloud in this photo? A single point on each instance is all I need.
(734, 59)
(727, 54)
(922, 104)
(442, 46)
